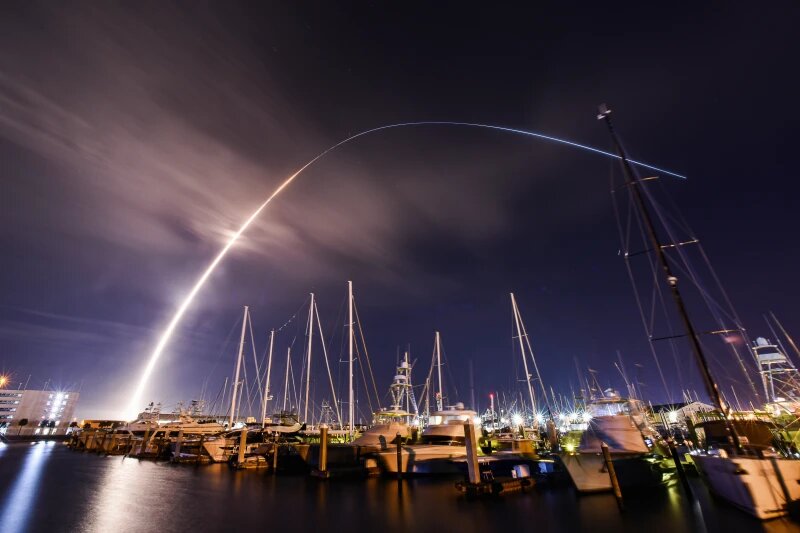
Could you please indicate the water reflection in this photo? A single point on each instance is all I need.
(49, 488)
(19, 504)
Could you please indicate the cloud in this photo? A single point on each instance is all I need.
(169, 131)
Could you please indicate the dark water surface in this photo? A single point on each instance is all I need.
(47, 487)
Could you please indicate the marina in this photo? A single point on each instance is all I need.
(385, 267)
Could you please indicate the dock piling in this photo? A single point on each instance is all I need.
(399, 444)
(242, 447)
(200, 449)
(473, 468)
(178, 445)
(323, 448)
(612, 474)
(143, 447)
(673, 451)
(102, 443)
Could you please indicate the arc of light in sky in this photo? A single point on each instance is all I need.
(135, 400)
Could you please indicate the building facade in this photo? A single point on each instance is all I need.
(28, 413)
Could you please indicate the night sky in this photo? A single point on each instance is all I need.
(135, 139)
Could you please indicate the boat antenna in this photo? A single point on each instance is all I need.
(633, 183)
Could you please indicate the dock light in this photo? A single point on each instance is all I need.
(517, 420)
(3, 381)
(540, 418)
(586, 417)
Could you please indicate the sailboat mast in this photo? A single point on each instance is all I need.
(286, 380)
(711, 387)
(238, 369)
(524, 359)
(266, 385)
(440, 397)
(350, 405)
(785, 334)
(308, 361)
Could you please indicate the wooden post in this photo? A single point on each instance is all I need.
(552, 435)
(102, 442)
(612, 474)
(178, 445)
(473, 468)
(275, 457)
(399, 456)
(113, 448)
(242, 447)
(143, 447)
(673, 451)
(323, 448)
(779, 476)
(200, 449)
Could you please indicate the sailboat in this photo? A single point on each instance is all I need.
(756, 480)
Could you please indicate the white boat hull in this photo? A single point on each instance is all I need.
(587, 471)
(423, 459)
(751, 484)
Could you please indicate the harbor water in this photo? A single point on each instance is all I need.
(47, 487)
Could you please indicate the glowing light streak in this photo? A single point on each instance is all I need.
(135, 398)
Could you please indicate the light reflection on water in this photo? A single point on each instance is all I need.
(50, 488)
(21, 499)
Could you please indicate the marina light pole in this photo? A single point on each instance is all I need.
(238, 369)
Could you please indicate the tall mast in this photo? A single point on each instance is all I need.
(350, 405)
(785, 334)
(440, 398)
(238, 369)
(524, 359)
(266, 385)
(286, 380)
(408, 384)
(711, 387)
(308, 362)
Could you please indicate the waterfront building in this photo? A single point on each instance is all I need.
(30, 413)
